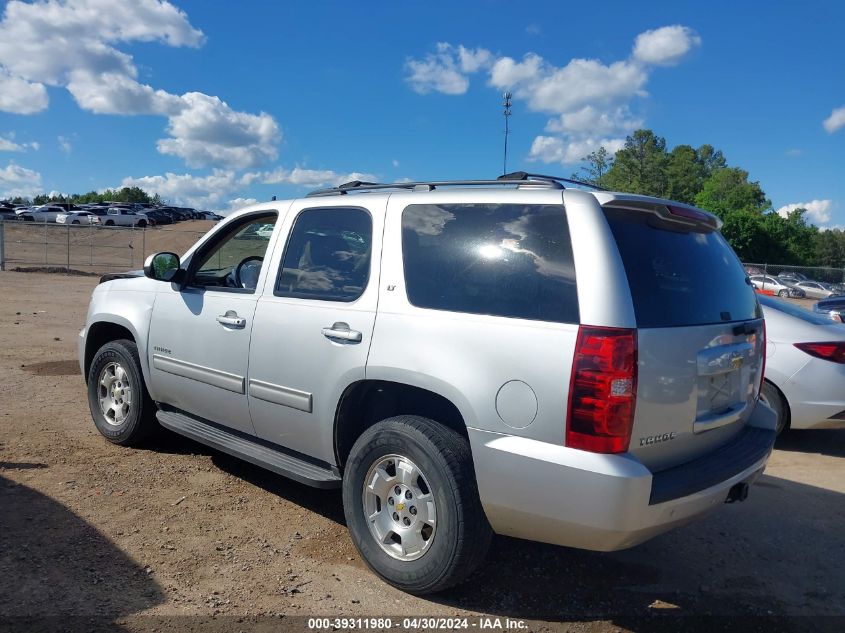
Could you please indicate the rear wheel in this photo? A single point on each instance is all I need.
(117, 396)
(772, 397)
(142, 223)
(75, 222)
(412, 506)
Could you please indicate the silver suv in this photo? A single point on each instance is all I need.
(462, 358)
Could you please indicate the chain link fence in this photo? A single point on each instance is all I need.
(90, 248)
(814, 273)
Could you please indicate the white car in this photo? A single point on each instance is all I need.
(805, 367)
(44, 213)
(122, 216)
(77, 217)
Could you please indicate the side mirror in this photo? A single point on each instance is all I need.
(161, 266)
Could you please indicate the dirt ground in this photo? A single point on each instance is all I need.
(177, 536)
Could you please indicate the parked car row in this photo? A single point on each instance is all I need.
(137, 214)
(793, 284)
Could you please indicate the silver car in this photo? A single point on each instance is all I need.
(461, 358)
(815, 289)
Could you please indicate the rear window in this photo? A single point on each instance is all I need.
(680, 277)
(510, 260)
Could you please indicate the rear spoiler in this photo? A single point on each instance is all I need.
(667, 210)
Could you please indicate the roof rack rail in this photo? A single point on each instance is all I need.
(523, 175)
(359, 186)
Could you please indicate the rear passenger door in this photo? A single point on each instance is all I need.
(314, 322)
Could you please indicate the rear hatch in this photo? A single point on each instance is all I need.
(699, 333)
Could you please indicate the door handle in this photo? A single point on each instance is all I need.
(340, 331)
(231, 319)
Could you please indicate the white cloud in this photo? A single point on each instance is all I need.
(665, 46)
(72, 44)
(65, 144)
(20, 96)
(238, 203)
(313, 177)
(817, 210)
(836, 120)
(446, 69)
(590, 100)
(201, 192)
(19, 181)
(8, 144)
(554, 149)
(207, 132)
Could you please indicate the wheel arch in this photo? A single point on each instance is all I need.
(785, 403)
(103, 331)
(366, 402)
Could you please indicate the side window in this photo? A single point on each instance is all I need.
(510, 260)
(234, 259)
(328, 255)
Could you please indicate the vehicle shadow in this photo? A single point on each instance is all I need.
(778, 555)
(829, 442)
(59, 572)
(327, 503)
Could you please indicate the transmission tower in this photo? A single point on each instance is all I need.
(506, 104)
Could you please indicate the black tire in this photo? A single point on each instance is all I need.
(75, 222)
(772, 396)
(142, 223)
(109, 222)
(783, 293)
(140, 419)
(462, 536)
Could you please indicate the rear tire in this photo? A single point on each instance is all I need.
(431, 465)
(75, 222)
(122, 410)
(772, 397)
(142, 223)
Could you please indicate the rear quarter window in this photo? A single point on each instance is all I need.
(680, 277)
(509, 260)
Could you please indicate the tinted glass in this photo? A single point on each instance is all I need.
(328, 255)
(509, 260)
(235, 260)
(679, 277)
(796, 311)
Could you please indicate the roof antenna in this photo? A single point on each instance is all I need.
(506, 104)
(273, 199)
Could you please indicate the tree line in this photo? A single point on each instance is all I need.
(126, 194)
(702, 177)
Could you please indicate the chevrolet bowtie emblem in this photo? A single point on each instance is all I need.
(400, 506)
(736, 362)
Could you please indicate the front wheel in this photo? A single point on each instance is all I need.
(109, 222)
(783, 293)
(117, 396)
(412, 505)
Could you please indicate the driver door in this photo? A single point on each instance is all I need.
(199, 335)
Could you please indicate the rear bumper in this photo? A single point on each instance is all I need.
(553, 494)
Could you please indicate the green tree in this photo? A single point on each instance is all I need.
(685, 174)
(746, 234)
(711, 159)
(640, 166)
(597, 165)
(729, 190)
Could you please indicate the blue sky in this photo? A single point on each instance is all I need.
(213, 104)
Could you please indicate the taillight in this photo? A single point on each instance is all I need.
(834, 351)
(602, 390)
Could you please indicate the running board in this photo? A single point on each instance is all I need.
(249, 450)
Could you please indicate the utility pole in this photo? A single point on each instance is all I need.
(506, 104)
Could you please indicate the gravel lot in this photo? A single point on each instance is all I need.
(176, 529)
